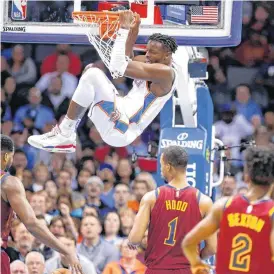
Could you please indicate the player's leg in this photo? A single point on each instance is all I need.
(93, 87)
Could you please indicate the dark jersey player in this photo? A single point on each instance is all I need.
(13, 199)
(246, 223)
(169, 213)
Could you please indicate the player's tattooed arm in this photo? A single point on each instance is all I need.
(141, 221)
(204, 229)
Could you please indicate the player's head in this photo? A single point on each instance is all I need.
(160, 48)
(259, 166)
(7, 152)
(173, 162)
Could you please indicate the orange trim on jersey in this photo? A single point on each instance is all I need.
(100, 107)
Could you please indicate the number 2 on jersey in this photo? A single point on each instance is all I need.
(172, 226)
(240, 255)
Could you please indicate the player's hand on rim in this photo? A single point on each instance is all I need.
(126, 18)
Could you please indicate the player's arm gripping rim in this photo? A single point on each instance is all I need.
(132, 36)
(141, 221)
(202, 231)
(157, 73)
(13, 191)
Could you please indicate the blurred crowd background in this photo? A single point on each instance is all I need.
(89, 199)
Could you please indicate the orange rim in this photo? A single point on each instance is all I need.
(104, 19)
(99, 15)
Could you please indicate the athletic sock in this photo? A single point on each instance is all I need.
(68, 126)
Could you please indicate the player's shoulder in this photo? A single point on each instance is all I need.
(11, 182)
(149, 196)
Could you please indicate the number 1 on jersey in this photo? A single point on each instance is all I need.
(172, 225)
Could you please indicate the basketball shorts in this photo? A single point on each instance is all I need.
(5, 262)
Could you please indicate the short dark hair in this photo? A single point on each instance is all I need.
(176, 156)
(7, 144)
(167, 41)
(260, 165)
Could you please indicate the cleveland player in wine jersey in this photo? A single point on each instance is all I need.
(13, 199)
(246, 223)
(169, 213)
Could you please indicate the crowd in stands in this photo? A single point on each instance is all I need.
(89, 199)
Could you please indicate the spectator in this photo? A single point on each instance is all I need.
(55, 99)
(20, 163)
(51, 189)
(93, 246)
(244, 104)
(18, 267)
(94, 189)
(139, 189)
(33, 116)
(269, 123)
(21, 68)
(127, 264)
(231, 129)
(64, 183)
(121, 196)
(147, 177)
(23, 242)
(20, 141)
(124, 172)
(228, 186)
(253, 51)
(127, 217)
(82, 179)
(6, 117)
(41, 175)
(49, 63)
(91, 211)
(59, 261)
(11, 95)
(112, 226)
(35, 263)
(57, 226)
(262, 137)
(265, 74)
(69, 81)
(106, 173)
(39, 206)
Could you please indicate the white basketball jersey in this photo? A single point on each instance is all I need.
(138, 109)
(141, 106)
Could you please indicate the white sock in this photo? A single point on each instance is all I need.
(68, 126)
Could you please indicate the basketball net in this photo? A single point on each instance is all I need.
(108, 24)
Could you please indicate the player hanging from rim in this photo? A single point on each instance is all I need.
(13, 199)
(246, 223)
(119, 120)
(169, 213)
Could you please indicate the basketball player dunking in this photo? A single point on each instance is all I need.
(119, 120)
(246, 223)
(13, 199)
(169, 213)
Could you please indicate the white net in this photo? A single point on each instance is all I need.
(108, 24)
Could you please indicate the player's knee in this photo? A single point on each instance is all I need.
(93, 72)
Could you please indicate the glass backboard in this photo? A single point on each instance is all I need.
(194, 23)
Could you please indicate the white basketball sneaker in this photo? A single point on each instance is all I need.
(54, 141)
